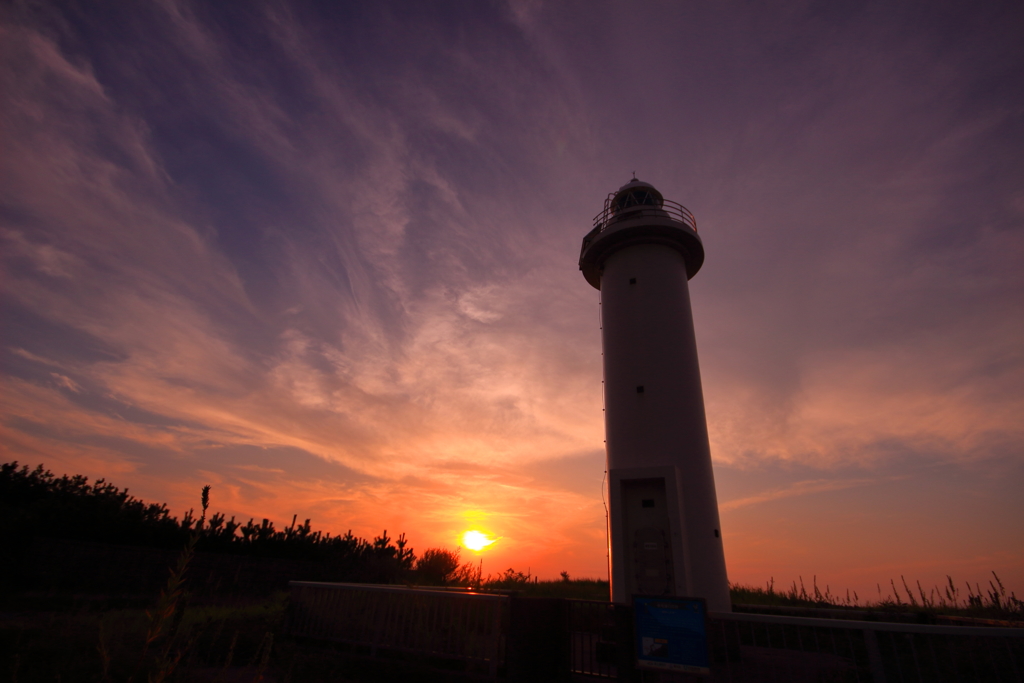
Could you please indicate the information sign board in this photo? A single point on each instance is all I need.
(671, 633)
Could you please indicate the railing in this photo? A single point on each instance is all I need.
(761, 646)
(668, 209)
(596, 639)
(433, 623)
(597, 631)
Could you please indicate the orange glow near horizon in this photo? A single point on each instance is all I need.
(476, 540)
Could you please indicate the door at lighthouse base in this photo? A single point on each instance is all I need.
(648, 537)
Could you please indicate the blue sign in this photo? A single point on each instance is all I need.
(671, 634)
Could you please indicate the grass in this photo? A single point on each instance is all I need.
(526, 585)
(573, 589)
(100, 644)
(75, 638)
(67, 638)
(989, 602)
(88, 640)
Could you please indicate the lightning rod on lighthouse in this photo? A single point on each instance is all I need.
(664, 528)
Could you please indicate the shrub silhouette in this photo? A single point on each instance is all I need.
(36, 503)
(437, 566)
(509, 579)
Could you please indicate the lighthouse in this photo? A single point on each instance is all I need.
(663, 511)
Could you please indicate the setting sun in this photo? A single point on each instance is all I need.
(476, 540)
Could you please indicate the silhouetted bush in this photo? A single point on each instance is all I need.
(437, 566)
(37, 503)
(509, 579)
(34, 503)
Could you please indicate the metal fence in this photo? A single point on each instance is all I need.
(590, 640)
(751, 648)
(761, 647)
(600, 638)
(436, 624)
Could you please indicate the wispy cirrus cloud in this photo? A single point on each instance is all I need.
(799, 488)
(323, 256)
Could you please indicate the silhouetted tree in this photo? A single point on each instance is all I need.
(437, 566)
(36, 503)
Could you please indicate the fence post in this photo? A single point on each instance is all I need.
(623, 615)
(539, 641)
(874, 656)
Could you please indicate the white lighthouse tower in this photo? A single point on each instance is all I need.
(665, 534)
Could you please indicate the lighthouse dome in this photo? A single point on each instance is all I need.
(636, 193)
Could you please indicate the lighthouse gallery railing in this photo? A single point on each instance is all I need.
(668, 209)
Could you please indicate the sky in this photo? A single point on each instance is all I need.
(323, 256)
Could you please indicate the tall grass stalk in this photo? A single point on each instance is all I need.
(165, 618)
(231, 656)
(263, 656)
(104, 656)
